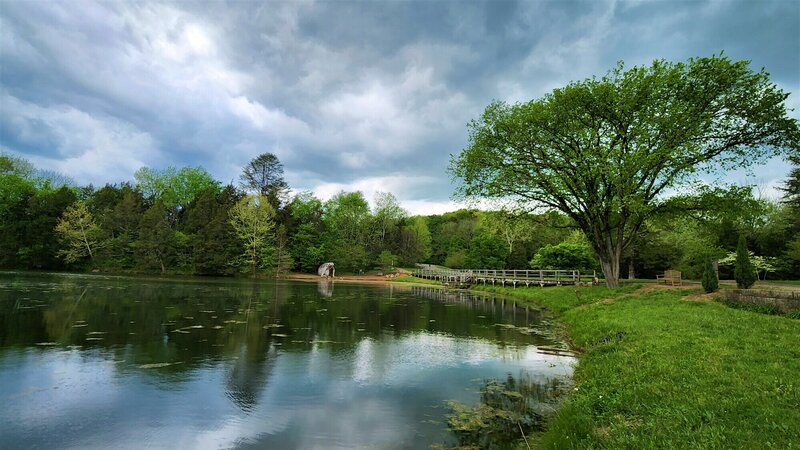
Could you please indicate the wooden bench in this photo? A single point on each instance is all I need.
(670, 276)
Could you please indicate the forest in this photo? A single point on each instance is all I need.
(183, 221)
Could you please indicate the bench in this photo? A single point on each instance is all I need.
(670, 276)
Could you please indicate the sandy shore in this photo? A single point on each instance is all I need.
(359, 278)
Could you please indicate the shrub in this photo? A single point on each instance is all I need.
(709, 280)
(744, 273)
(566, 255)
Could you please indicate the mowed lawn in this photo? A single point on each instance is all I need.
(659, 369)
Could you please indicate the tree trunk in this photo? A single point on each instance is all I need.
(631, 270)
(609, 261)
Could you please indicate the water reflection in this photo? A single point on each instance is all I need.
(110, 361)
(325, 287)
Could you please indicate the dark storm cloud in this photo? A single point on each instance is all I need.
(349, 95)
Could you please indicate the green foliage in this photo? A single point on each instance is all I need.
(388, 215)
(791, 189)
(79, 233)
(457, 259)
(174, 187)
(264, 175)
(12, 165)
(156, 243)
(414, 241)
(768, 309)
(347, 219)
(32, 240)
(486, 251)
(744, 273)
(212, 238)
(386, 261)
(198, 238)
(566, 255)
(709, 281)
(282, 259)
(604, 150)
(252, 221)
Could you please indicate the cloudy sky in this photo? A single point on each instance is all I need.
(373, 96)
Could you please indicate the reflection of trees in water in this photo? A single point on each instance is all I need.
(162, 319)
(169, 329)
(476, 301)
(507, 411)
(249, 376)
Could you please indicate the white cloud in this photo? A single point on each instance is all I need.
(86, 147)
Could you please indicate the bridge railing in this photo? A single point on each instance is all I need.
(528, 275)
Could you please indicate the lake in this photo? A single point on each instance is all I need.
(94, 361)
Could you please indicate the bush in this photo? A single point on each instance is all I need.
(566, 255)
(386, 261)
(709, 280)
(744, 273)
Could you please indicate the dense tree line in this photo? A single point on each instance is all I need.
(183, 221)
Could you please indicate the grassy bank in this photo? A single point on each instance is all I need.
(660, 370)
(415, 280)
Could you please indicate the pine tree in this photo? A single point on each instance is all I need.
(709, 280)
(744, 272)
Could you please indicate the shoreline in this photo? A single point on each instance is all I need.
(629, 392)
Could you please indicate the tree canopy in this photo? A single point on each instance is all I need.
(607, 151)
(264, 175)
(174, 187)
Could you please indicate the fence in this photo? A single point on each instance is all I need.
(510, 277)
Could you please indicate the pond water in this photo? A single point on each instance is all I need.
(89, 361)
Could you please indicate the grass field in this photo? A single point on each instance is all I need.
(660, 370)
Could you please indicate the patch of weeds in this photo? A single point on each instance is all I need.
(793, 314)
(771, 310)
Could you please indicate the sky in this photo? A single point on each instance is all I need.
(370, 96)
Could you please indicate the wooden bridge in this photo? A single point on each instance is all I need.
(464, 278)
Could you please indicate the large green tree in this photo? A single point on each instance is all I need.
(388, 214)
(607, 151)
(175, 188)
(252, 221)
(306, 241)
(347, 220)
(156, 243)
(214, 244)
(414, 245)
(79, 233)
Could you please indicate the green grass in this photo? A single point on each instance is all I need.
(415, 280)
(659, 371)
(560, 299)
